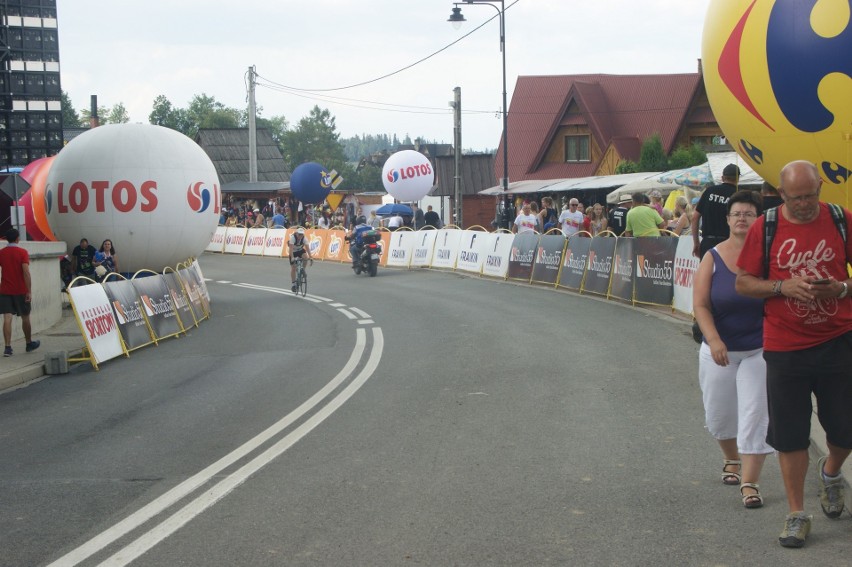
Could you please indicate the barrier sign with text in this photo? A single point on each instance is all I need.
(217, 243)
(574, 263)
(179, 300)
(128, 313)
(255, 242)
(446, 248)
(548, 258)
(599, 266)
(399, 253)
(685, 266)
(235, 239)
(654, 269)
(472, 246)
(497, 252)
(522, 256)
(424, 245)
(158, 306)
(622, 270)
(97, 321)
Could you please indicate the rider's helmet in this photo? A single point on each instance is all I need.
(361, 220)
(300, 230)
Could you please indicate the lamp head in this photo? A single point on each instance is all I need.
(456, 18)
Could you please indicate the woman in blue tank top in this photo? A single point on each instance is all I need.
(731, 369)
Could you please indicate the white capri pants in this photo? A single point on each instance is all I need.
(735, 398)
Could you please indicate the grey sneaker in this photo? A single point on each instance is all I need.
(797, 526)
(832, 493)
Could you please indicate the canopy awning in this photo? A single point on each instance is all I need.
(593, 183)
(255, 187)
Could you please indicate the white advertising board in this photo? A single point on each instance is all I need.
(255, 242)
(424, 245)
(401, 245)
(95, 315)
(217, 243)
(497, 250)
(276, 239)
(235, 239)
(446, 248)
(471, 251)
(685, 266)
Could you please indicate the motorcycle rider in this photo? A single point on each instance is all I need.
(355, 240)
(298, 248)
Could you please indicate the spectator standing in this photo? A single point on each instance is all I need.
(770, 196)
(419, 219)
(572, 219)
(526, 221)
(16, 291)
(597, 220)
(709, 215)
(431, 218)
(731, 369)
(683, 216)
(375, 221)
(656, 201)
(643, 220)
(395, 222)
(278, 220)
(807, 337)
(82, 259)
(618, 216)
(547, 218)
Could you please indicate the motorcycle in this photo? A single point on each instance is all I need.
(367, 258)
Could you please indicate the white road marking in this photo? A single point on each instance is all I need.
(224, 281)
(349, 315)
(191, 484)
(278, 290)
(365, 321)
(361, 313)
(183, 516)
(338, 305)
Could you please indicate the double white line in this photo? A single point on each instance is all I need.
(218, 491)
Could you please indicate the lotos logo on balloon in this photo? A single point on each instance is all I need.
(778, 78)
(198, 197)
(408, 175)
(155, 205)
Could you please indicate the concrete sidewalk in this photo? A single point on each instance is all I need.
(23, 367)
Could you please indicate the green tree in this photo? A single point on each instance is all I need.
(684, 157)
(118, 114)
(276, 125)
(165, 114)
(70, 118)
(652, 157)
(627, 166)
(315, 138)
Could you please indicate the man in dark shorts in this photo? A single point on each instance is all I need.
(807, 338)
(15, 291)
(711, 212)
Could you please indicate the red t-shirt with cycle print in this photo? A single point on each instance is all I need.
(815, 250)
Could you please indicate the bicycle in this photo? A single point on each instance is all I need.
(301, 277)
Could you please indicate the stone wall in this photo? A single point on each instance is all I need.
(47, 285)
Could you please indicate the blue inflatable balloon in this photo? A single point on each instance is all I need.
(310, 183)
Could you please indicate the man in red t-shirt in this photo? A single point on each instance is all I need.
(807, 338)
(15, 291)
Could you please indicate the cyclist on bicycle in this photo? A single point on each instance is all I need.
(354, 237)
(298, 248)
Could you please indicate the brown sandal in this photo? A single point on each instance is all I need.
(751, 500)
(731, 478)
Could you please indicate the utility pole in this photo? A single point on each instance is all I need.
(252, 124)
(457, 146)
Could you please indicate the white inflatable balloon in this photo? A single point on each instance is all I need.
(408, 175)
(149, 189)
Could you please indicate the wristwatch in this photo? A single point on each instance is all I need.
(844, 292)
(776, 288)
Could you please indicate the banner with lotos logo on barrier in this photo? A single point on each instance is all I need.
(275, 242)
(217, 243)
(235, 239)
(255, 242)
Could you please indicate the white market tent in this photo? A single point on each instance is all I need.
(592, 183)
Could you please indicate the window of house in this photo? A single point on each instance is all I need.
(577, 148)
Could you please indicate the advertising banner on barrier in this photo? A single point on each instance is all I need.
(217, 243)
(498, 248)
(523, 255)
(193, 290)
(316, 239)
(574, 263)
(685, 266)
(158, 306)
(384, 246)
(471, 254)
(424, 246)
(179, 299)
(255, 242)
(195, 267)
(446, 248)
(276, 239)
(97, 321)
(622, 270)
(399, 251)
(548, 259)
(235, 239)
(128, 313)
(599, 266)
(335, 251)
(654, 270)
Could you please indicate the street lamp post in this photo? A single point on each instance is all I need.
(456, 18)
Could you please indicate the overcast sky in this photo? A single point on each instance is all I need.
(132, 51)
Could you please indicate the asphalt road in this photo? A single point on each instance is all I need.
(416, 418)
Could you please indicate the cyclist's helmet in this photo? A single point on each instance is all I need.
(300, 230)
(361, 220)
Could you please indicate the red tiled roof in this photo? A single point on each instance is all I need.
(619, 109)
